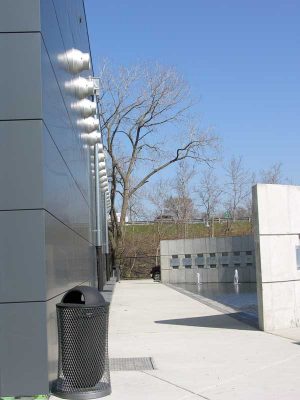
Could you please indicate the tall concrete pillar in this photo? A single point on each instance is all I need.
(276, 212)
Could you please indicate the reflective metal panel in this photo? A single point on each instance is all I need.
(22, 249)
(40, 257)
(34, 175)
(21, 165)
(20, 16)
(20, 76)
(71, 20)
(70, 260)
(62, 196)
(23, 349)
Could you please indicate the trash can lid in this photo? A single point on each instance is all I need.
(86, 295)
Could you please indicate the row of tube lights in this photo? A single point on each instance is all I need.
(76, 62)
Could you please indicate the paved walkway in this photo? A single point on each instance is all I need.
(199, 353)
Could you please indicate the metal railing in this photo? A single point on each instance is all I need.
(191, 221)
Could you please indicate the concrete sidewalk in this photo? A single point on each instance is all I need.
(198, 352)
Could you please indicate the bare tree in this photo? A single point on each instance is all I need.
(181, 205)
(246, 209)
(158, 196)
(272, 175)
(180, 208)
(141, 111)
(136, 205)
(237, 186)
(209, 194)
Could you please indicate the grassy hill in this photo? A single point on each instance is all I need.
(189, 231)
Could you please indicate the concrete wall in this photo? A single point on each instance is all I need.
(276, 232)
(196, 256)
(47, 202)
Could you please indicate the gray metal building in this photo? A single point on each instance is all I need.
(214, 259)
(48, 213)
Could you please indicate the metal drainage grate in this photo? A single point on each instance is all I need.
(131, 364)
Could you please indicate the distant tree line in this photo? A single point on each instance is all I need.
(182, 200)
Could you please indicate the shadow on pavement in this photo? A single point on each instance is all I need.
(215, 321)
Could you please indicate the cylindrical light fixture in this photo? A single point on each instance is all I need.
(91, 138)
(103, 178)
(88, 124)
(101, 157)
(104, 184)
(80, 87)
(85, 107)
(102, 165)
(93, 157)
(77, 61)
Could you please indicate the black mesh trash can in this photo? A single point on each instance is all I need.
(83, 366)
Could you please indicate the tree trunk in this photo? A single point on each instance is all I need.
(118, 229)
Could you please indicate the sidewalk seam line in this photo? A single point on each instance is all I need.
(174, 384)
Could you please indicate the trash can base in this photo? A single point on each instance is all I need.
(84, 396)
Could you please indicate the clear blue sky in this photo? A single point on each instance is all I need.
(241, 58)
